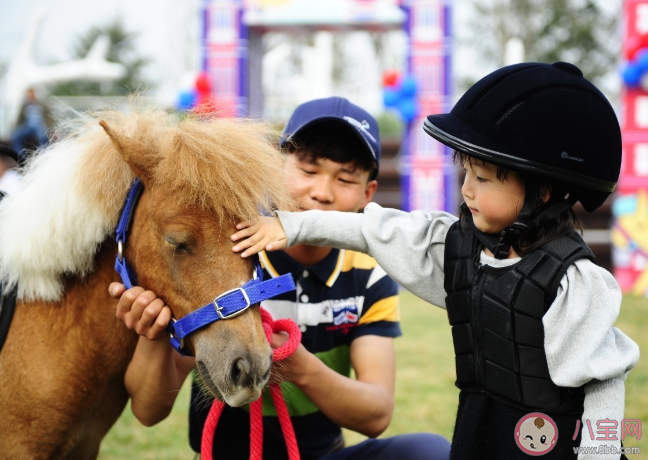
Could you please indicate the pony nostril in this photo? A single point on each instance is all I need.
(240, 371)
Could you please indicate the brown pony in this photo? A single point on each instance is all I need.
(62, 366)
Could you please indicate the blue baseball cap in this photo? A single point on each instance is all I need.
(337, 110)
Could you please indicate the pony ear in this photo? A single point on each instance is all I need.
(138, 155)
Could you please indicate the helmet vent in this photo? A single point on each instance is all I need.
(508, 112)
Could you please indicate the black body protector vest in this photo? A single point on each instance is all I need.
(496, 318)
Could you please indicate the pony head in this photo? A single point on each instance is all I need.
(201, 177)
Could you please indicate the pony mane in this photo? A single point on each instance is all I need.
(74, 189)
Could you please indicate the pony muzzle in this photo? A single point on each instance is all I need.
(238, 383)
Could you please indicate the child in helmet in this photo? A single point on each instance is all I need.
(531, 313)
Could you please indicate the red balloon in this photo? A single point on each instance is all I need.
(634, 45)
(631, 51)
(390, 77)
(643, 41)
(202, 83)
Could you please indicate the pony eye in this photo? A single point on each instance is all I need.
(180, 248)
(543, 439)
(177, 247)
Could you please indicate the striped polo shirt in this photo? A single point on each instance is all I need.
(344, 296)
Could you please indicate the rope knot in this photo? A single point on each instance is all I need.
(256, 408)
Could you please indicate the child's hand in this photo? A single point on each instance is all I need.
(262, 233)
(141, 311)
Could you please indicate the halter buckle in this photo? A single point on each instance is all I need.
(236, 313)
(120, 250)
(175, 336)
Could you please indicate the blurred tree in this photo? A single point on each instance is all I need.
(391, 125)
(576, 31)
(123, 50)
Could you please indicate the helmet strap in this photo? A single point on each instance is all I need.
(500, 245)
(511, 234)
(489, 240)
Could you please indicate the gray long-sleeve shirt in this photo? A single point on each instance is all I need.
(581, 344)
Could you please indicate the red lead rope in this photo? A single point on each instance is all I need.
(256, 411)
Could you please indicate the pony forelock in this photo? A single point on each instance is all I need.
(74, 189)
(224, 165)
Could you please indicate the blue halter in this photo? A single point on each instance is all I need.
(225, 306)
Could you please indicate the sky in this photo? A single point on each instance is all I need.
(163, 34)
(166, 28)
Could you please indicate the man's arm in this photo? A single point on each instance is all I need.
(156, 372)
(364, 405)
(154, 378)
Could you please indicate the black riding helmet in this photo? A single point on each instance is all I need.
(539, 119)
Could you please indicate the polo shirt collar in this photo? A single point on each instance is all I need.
(327, 270)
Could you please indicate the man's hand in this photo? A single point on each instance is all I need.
(262, 233)
(295, 368)
(141, 311)
(155, 374)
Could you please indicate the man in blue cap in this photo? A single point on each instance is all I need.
(345, 305)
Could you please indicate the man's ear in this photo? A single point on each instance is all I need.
(141, 159)
(369, 192)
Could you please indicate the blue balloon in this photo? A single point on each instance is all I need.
(408, 109)
(641, 59)
(187, 99)
(390, 97)
(408, 87)
(632, 75)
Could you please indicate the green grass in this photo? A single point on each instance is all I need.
(168, 440)
(426, 398)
